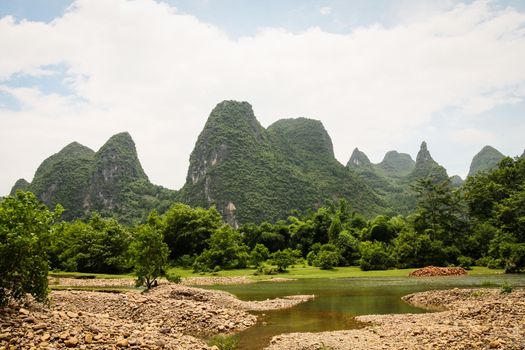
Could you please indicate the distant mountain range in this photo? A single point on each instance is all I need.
(251, 174)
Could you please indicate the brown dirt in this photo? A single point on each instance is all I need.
(431, 271)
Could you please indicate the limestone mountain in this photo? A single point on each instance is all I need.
(20, 185)
(427, 167)
(456, 181)
(486, 159)
(255, 174)
(393, 177)
(358, 159)
(110, 181)
(396, 164)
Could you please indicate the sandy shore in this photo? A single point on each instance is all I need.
(170, 316)
(470, 319)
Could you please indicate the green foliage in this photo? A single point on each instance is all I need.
(26, 226)
(375, 256)
(259, 254)
(97, 246)
(327, 259)
(465, 262)
(174, 278)
(224, 342)
(284, 258)
(187, 230)
(149, 255)
(506, 288)
(225, 249)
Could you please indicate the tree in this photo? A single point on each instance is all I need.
(259, 254)
(25, 228)
(149, 254)
(375, 256)
(283, 259)
(187, 230)
(98, 246)
(326, 259)
(225, 250)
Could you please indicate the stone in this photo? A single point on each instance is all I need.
(88, 338)
(5, 336)
(122, 343)
(71, 342)
(45, 337)
(23, 311)
(39, 326)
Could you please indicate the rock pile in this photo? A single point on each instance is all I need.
(431, 271)
(472, 319)
(170, 316)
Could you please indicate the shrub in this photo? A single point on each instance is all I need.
(223, 342)
(174, 278)
(506, 288)
(327, 260)
(465, 262)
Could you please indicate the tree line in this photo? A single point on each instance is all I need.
(481, 223)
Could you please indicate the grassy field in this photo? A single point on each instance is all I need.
(314, 272)
(293, 272)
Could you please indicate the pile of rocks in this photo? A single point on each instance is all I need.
(431, 271)
(170, 316)
(472, 319)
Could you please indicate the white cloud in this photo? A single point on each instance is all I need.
(141, 66)
(472, 136)
(325, 10)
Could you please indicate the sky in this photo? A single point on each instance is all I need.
(381, 75)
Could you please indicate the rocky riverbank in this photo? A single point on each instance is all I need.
(170, 316)
(470, 319)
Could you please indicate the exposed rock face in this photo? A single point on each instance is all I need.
(486, 159)
(254, 174)
(358, 159)
(110, 181)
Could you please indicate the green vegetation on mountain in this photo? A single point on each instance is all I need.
(486, 159)
(396, 165)
(393, 178)
(20, 185)
(110, 181)
(254, 174)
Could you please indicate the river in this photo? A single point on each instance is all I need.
(338, 301)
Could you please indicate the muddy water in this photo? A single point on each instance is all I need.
(338, 301)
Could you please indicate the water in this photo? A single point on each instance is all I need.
(338, 301)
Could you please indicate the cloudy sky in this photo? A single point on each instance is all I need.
(380, 75)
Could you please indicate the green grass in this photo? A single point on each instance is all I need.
(299, 272)
(81, 275)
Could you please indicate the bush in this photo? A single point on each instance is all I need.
(327, 260)
(465, 262)
(223, 342)
(174, 278)
(283, 259)
(506, 288)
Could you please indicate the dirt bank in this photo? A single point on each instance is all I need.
(170, 316)
(432, 271)
(472, 319)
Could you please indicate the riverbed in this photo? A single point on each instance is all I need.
(338, 301)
